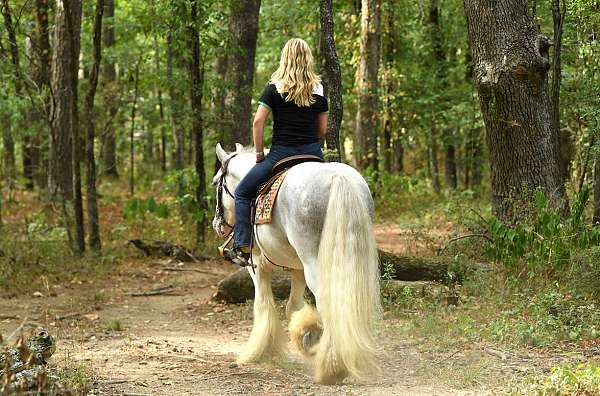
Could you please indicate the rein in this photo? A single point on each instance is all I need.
(222, 186)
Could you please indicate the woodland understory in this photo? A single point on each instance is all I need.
(475, 123)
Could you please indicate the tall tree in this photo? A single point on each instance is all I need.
(175, 104)
(65, 63)
(65, 177)
(511, 65)
(109, 77)
(136, 82)
(196, 86)
(441, 72)
(389, 143)
(365, 145)
(597, 191)
(9, 161)
(39, 60)
(92, 198)
(562, 139)
(161, 110)
(243, 30)
(332, 75)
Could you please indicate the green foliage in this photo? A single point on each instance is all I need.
(544, 318)
(139, 208)
(584, 275)
(547, 241)
(568, 380)
(182, 184)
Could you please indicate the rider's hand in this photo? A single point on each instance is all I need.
(260, 157)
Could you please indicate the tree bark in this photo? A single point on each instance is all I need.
(132, 130)
(332, 78)
(365, 144)
(510, 67)
(9, 158)
(109, 77)
(65, 63)
(597, 191)
(39, 56)
(221, 126)
(562, 138)
(175, 107)
(238, 287)
(92, 198)
(441, 72)
(388, 142)
(161, 111)
(433, 165)
(73, 13)
(243, 30)
(196, 86)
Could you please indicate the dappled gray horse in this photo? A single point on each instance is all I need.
(322, 231)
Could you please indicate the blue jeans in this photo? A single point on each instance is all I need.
(247, 189)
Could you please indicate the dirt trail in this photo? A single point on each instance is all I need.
(179, 344)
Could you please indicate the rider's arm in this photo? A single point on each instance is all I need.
(257, 130)
(322, 125)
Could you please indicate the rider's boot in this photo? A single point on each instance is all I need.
(239, 256)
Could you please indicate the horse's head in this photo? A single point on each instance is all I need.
(234, 166)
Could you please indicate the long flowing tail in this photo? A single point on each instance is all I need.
(348, 296)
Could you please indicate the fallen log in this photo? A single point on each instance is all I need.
(238, 287)
(167, 249)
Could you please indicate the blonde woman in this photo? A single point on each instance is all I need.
(295, 97)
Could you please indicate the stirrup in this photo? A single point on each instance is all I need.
(238, 257)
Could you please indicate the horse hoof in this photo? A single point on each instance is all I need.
(311, 338)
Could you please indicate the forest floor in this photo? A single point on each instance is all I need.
(180, 343)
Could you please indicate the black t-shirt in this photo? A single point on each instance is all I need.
(293, 125)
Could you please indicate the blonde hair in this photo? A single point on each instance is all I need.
(295, 75)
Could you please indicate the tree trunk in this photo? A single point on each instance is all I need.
(65, 63)
(510, 67)
(175, 107)
(196, 86)
(474, 150)
(389, 96)
(243, 29)
(73, 13)
(441, 73)
(132, 131)
(597, 191)
(9, 161)
(92, 198)
(398, 153)
(450, 161)
(221, 124)
(109, 77)
(332, 78)
(161, 111)
(433, 165)
(562, 138)
(365, 144)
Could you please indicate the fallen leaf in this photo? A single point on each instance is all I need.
(91, 317)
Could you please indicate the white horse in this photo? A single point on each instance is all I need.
(322, 231)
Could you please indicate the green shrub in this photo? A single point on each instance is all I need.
(580, 380)
(584, 275)
(545, 242)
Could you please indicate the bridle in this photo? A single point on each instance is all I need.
(222, 186)
(220, 213)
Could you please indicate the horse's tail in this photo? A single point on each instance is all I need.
(348, 292)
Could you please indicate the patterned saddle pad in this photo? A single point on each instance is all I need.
(265, 200)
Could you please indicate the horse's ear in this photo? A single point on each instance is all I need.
(238, 148)
(221, 154)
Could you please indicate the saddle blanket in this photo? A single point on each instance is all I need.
(265, 200)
